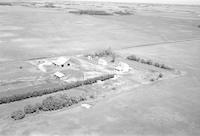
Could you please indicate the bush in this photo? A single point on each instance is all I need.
(142, 61)
(162, 66)
(38, 107)
(74, 100)
(55, 103)
(51, 103)
(28, 109)
(67, 100)
(133, 57)
(166, 67)
(160, 75)
(149, 62)
(157, 64)
(17, 115)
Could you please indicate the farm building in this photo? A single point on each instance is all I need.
(59, 75)
(122, 67)
(62, 62)
(102, 62)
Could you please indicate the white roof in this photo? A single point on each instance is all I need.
(60, 61)
(59, 74)
(122, 67)
(102, 62)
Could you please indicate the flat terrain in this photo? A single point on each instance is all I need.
(167, 34)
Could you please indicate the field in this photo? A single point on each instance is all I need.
(135, 102)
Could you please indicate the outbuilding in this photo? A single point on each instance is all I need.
(102, 62)
(59, 75)
(122, 67)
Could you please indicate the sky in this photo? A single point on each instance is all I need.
(193, 2)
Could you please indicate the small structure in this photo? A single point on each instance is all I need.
(102, 62)
(59, 75)
(87, 106)
(122, 67)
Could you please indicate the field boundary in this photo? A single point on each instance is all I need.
(67, 86)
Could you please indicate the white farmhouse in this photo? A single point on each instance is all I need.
(60, 61)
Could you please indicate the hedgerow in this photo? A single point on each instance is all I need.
(18, 97)
(51, 103)
(59, 102)
(102, 53)
(133, 57)
(90, 12)
(6, 4)
(149, 62)
(48, 104)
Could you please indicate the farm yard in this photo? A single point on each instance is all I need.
(94, 68)
(52, 72)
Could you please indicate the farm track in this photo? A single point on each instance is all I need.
(160, 43)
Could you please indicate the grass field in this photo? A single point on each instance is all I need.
(123, 106)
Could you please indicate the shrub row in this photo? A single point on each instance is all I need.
(149, 62)
(53, 103)
(48, 104)
(18, 97)
(102, 53)
(90, 12)
(123, 13)
(6, 4)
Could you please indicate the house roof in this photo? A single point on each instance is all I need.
(102, 62)
(122, 67)
(60, 61)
